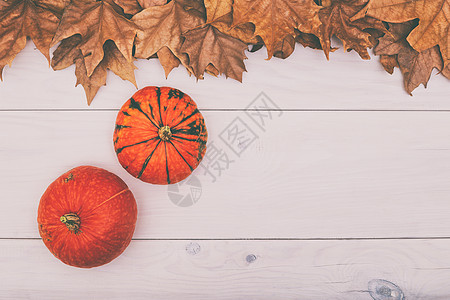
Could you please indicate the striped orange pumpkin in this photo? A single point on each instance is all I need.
(160, 135)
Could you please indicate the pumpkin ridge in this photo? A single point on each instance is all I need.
(167, 164)
(171, 105)
(192, 155)
(192, 169)
(196, 111)
(153, 115)
(136, 105)
(186, 139)
(144, 166)
(158, 97)
(118, 150)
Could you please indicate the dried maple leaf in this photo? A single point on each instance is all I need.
(434, 25)
(57, 6)
(308, 40)
(275, 19)
(132, 7)
(335, 16)
(219, 13)
(395, 42)
(194, 7)
(162, 26)
(210, 69)
(217, 9)
(148, 3)
(285, 47)
(416, 67)
(68, 53)
(446, 71)
(91, 84)
(64, 56)
(116, 62)
(208, 45)
(96, 22)
(168, 60)
(389, 63)
(20, 19)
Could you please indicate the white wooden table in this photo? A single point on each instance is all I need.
(342, 193)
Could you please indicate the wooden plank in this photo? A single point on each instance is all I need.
(416, 269)
(306, 80)
(307, 175)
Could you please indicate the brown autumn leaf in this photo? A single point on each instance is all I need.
(217, 9)
(57, 6)
(416, 67)
(148, 3)
(194, 7)
(132, 7)
(446, 71)
(69, 53)
(163, 26)
(114, 61)
(20, 19)
(308, 40)
(284, 48)
(91, 84)
(276, 19)
(219, 13)
(434, 25)
(211, 70)
(389, 63)
(96, 22)
(167, 60)
(395, 42)
(335, 16)
(208, 45)
(65, 54)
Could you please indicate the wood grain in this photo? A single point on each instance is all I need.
(308, 175)
(341, 194)
(222, 270)
(306, 80)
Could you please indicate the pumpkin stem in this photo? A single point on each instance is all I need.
(164, 133)
(72, 222)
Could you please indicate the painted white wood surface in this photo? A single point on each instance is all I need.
(311, 174)
(305, 80)
(200, 270)
(352, 162)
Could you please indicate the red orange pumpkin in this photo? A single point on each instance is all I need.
(87, 217)
(160, 135)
